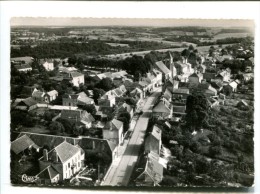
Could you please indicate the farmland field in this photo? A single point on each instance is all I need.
(233, 35)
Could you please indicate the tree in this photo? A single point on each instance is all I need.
(191, 48)
(90, 108)
(67, 124)
(215, 150)
(125, 118)
(185, 53)
(56, 127)
(97, 93)
(197, 110)
(106, 84)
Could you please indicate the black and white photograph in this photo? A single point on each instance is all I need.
(131, 102)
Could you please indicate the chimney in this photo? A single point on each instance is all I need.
(56, 157)
(45, 155)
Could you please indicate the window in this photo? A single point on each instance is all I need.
(68, 165)
(79, 164)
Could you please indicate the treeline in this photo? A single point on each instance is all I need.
(63, 49)
(185, 29)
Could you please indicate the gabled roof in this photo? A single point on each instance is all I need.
(118, 124)
(87, 117)
(162, 67)
(180, 91)
(65, 151)
(156, 132)
(38, 94)
(179, 109)
(25, 59)
(208, 76)
(52, 93)
(48, 173)
(42, 61)
(29, 101)
(118, 92)
(22, 143)
(126, 107)
(233, 84)
(167, 94)
(22, 66)
(71, 114)
(76, 74)
(161, 107)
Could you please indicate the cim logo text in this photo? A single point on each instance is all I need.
(29, 179)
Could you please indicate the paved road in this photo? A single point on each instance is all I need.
(122, 167)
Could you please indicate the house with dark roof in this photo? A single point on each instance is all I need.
(78, 116)
(75, 78)
(208, 76)
(23, 67)
(48, 175)
(153, 142)
(180, 94)
(27, 104)
(124, 107)
(40, 96)
(86, 143)
(151, 172)
(65, 159)
(26, 60)
(195, 79)
(218, 85)
(113, 131)
(207, 89)
(178, 110)
(79, 99)
(23, 143)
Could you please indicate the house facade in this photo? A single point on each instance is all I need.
(65, 158)
(113, 131)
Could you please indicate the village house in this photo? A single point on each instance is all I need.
(153, 141)
(218, 85)
(39, 96)
(75, 78)
(158, 76)
(162, 110)
(124, 107)
(208, 76)
(166, 73)
(180, 94)
(27, 104)
(65, 160)
(233, 85)
(108, 99)
(207, 89)
(151, 172)
(223, 76)
(78, 116)
(113, 131)
(47, 64)
(79, 99)
(137, 94)
(178, 110)
(23, 67)
(52, 95)
(23, 60)
(22, 145)
(195, 79)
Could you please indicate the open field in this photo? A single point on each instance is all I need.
(231, 35)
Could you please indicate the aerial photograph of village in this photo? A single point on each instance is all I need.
(105, 104)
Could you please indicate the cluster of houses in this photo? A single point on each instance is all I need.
(66, 155)
(62, 157)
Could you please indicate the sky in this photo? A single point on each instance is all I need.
(29, 21)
